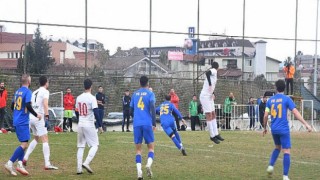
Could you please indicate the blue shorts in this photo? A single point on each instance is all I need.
(282, 139)
(23, 133)
(143, 132)
(169, 128)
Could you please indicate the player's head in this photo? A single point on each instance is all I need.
(100, 89)
(144, 81)
(194, 97)
(25, 80)
(215, 65)
(1, 84)
(43, 81)
(68, 90)
(127, 92)
(167, 97)
(280, 85)
(171, 91)
(87, 84)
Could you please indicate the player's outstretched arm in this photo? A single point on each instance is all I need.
(31, 110)
(300, 118)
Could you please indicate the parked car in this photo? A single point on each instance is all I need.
(113, 119)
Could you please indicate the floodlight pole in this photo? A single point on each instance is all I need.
(198, 43)
(295, 35)
(150, 28)
(86, 39)
(315, 72)
(25, 38)
(243, 30)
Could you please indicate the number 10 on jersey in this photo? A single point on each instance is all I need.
(83, 110)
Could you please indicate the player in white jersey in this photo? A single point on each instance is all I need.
(39, 102)
(207, 101)
(88, 111)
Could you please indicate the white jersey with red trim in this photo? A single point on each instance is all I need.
(85, 103)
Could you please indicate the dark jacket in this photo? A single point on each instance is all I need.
(251, 110)
(262, 108)
(126, 103)
(101, 97)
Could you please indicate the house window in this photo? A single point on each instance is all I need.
(17, 55)
(8, 55)
(142, 67)
(224, 44)
(224, 63)
(62, 56)
(230, 63)
(249, 62)
(216, 44)
(12, 55)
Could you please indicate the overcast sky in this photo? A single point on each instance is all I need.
(264, 18)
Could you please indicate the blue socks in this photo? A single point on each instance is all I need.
(177, 136)
(151, 155)
(274, 157)
(176, 142)
(286, 164)
(18, 154)
(138, 158)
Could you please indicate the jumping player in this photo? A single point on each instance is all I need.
(20, 104)
(278, 106)
(207, 101)
(166, 110)
(142, 107)
(39, 102)
(87, 105)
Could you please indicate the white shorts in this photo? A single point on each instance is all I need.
(207, 103)
(87, 135)
(37, 127)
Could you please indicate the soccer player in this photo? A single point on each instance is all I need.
(142, 108)
(278, 106)
(206, 99)
(87, 105)
(21, 106)
(39, 101)
(167, 120)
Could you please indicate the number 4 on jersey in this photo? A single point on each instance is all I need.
(141, 104)
(275, 112)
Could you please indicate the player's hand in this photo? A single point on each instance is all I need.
(309, 128)
(100, 130)
(39, 116)
(153, 128)
(184, 122)
(264, 132)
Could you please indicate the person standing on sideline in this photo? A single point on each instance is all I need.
(68, 104)
(262, 108)
(251, 113)
(206, 99)
(230, 100)
(126, 99)
(175, 101)
(101, 100)
(193, 113)
(20, 103)
(278, 106)
(87, 134)
(39, 101)
(3, 104)
(289, 71)
(142, 107)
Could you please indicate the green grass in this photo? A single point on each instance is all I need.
(243, 155)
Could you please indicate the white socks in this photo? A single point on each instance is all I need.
(46, 153)
(210, 128)
(31, 147)
(139, 167)
(79, 157)
(91, 154)
(215, 127)
(149, 162)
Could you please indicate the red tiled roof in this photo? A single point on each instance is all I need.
(6, 37)
(8, 63)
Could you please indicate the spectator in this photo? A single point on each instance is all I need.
(262, 108)
(175, 101)
(126, 109)
(101, 100)
(68, 104)
(230, 100)
(3, 104)
(193, 113)
(289, 73)
(251, 113)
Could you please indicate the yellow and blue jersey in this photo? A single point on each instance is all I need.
(278, 105)
(20, 113)
(165, 111)
(141, 101)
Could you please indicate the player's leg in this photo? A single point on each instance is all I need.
(177, 122)
(65, 117)
(70, 114)
(286, 146)
(207, 109)
(92, 140)
(275, 153)
(81, 144)
(123, 120)
(287, 86)
(2, 118)
(193, 123)
(215, 127)
(128, 120)
(149, 139)
(33, 143)
(291, 86)
(170, 132)
(138, 136)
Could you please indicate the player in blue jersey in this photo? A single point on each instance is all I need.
(142, 108)
(21, 106)
(168, 124)
(278, 106)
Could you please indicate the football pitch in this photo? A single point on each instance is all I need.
(243, 155)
